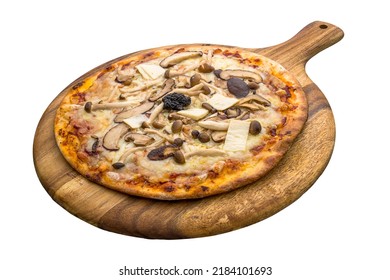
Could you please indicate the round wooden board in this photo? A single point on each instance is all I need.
(148, 218)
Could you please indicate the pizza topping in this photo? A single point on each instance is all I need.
(253, 85)
(254, 128)
(179, 157)
(162, 152)
(232, 112)
(213, 125)
(118, 165)
(176, 101)
(203, 137)
(244, 74)
(194, 113)
(195, 79)
(195, 134)
(89, 106)
(218, 136)
(139, 139)
(205, 153)
(255, 98)
(236, 136)
(220, 102)
(177, 126)
(237, 87)
(195, 90)
(111, 138)
(179, 57)
(134, 111)
(208, 107)
(205, 68)
(150, 71)
(135, 121)
(178, 142)
(167, 87)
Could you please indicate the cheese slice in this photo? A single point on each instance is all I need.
(236, 136)
(150, 71)
(220, 102)
(194, 113)
(135, 121)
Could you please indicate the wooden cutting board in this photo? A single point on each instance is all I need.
(129, 215)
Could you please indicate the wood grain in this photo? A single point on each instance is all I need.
(294, 175)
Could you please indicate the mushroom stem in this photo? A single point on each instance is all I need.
(214, 125)
(162, 135)
(195, 90)
(155, 113)
(89, 106)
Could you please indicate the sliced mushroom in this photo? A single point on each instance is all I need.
(218, 136)
(255, 98)
(220, 83)
(244, 74)
(213, 125)
(112, 137)
(179, 57)
(162, 152)
(252, 106)
(232, 112)
(134, 111)
(171, 73)
(167, 87)
(139, 139)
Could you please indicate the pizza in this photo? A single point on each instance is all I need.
(180, 122)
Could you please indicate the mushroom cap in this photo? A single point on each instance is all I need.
(144, 107)
(112, 137)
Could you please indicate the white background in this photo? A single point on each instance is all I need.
(339, 229)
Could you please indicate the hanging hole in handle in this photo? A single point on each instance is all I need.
(323, 26)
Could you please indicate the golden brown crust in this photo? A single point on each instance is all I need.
(73, 133)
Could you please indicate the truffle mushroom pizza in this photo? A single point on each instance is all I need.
(180, 122)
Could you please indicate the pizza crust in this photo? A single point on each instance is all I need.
(77, 131)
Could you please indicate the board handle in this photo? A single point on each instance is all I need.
(312, 39)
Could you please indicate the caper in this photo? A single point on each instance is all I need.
(176, 126)
(254, 128)
(204, 137)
